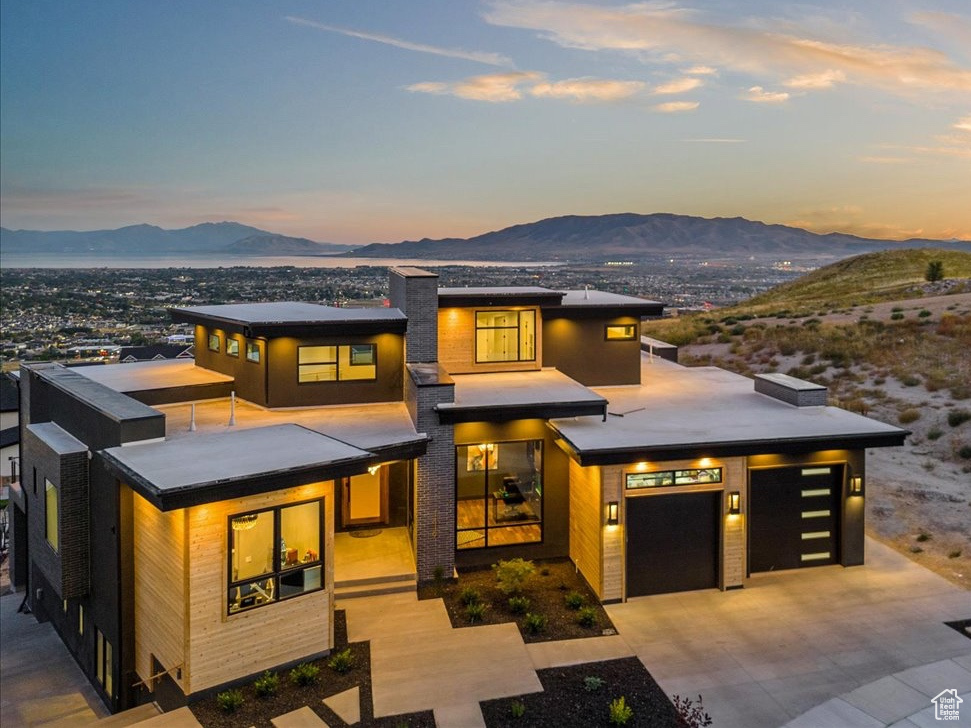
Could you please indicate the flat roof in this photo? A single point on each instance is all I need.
(104, 399)
(215, 466)
(284, 317)
(57, 439)
(594, 298)
(502, 396)
(498, 296)
(148, 375)
(682, 411)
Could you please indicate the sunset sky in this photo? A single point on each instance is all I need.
(356, 121)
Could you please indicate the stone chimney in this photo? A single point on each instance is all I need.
(415, 292)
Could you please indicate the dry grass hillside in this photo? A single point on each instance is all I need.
(890, 346)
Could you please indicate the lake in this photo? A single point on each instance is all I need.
(28, 260)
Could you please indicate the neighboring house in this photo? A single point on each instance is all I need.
(215, 495)
(9, 427)
(155, 352)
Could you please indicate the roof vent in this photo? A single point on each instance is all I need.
(790, 390)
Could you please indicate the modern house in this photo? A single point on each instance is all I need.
(184, 524)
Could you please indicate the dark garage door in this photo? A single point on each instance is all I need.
(794, 517)
(672, 543)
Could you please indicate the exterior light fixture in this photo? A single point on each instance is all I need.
(613, 513)
(856, 485)
(734, 503)
(245, 523)
(373, 469)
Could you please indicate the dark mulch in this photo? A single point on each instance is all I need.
(553, 580)
(258, 712)
(566, 701)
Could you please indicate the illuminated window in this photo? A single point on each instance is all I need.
(626, 332)
(50, 500)
(505, 336)
(275, 554)
(331, 363)
(232, 347)
(253, 352)
(213, 342)
(697, 476)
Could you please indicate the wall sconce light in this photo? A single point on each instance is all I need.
(373, 469)
(734, 503)
(856, 485)
(613, 513)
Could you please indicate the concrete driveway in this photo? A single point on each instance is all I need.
(789, 641)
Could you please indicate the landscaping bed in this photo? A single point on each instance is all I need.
(259, 711)
(572, 697)
(547, 592)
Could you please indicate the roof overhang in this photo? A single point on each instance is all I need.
(451, 413)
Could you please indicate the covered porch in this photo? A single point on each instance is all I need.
(373, 561)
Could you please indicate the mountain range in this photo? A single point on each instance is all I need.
(626, 236)
(212, 238)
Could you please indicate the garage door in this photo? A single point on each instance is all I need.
(672, 543)
(794, 517)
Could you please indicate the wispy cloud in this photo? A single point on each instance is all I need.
(588, 89)
(678, 86)
(664, 31)
(700, 71)
(813, 81)
(674, 107)
(964, 124)
(492, 59)
(715, 140)
(492, 87)
(885, 160)
(761, 96)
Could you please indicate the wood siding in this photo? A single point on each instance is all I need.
(456, 341)
(614, 536)
(181, 566)
(586, 524)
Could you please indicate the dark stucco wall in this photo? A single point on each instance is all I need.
(576, 345)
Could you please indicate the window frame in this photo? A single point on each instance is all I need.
(679, 477)
(235, 349)
(214, 342)
(336, 362)
(631, 337)
(516, 327)
(253, 347)
(278, 569)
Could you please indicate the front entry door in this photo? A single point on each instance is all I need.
(364, 499)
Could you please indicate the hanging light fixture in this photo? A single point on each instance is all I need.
(245, 523)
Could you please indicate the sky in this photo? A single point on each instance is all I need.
(357, 121)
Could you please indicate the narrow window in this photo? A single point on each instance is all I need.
(232, 347)
(81, 619)
(626, 332)
(213, 342)
(253, 352)
(51, 518)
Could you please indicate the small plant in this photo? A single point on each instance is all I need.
(924, 313)
(620, 711)
(934, 434)
(592, 683)
(513, 574)
(956, 418)
(908, 416)
(474, 612)
(587, 617)
(916, 550)
(469, 595)
(306, 673)
(955, 554)
(923, 536)
(896, 316)
(545, 571)
(965, 452)
(910, 380)
(573, 600)
(438, 575)
(266, 684)
(534, 623)
(693, 716)
(517, 708)
(229, 701)
(342, 662)
(518, 605)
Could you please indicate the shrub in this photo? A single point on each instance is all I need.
(896, 316)
(620, 711)
(909, 380)
(923, 536)
(692, 716)
(916, 550)
(909, 415)
(306, 673)
(469, 595)
(573, 600)
(514, 574)
(737, 330)
(935, 271)
(518, 605)
(534, 623)
(592, 683)
(474, 612)
(439, 574)
(924, 313)
(965, 452)
(266, 684)
(517, 708)
(955, 418)
(342, 662)
(230, 701)
(587, 617)
(934, 434)
(956, 553)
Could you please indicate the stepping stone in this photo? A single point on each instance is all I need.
(467, 715)
(300, 718)
(347, 705)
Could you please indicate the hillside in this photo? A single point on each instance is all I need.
(270, 244)
(634, 236)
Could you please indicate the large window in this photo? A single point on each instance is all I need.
(344, 362)
(499, 494)
(50, 515)
(275, 554)
(253, 352)
(505, 336)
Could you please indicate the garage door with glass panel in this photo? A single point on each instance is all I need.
(794, 517)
